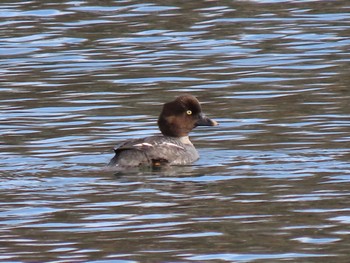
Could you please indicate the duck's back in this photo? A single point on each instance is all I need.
(154, 151)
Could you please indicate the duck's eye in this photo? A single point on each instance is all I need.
(189, 112)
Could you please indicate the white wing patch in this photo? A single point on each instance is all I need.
(165, 144)
(173, 145)
(143, 144)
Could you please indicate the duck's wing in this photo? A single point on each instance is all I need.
(163, 150)
(130, 144)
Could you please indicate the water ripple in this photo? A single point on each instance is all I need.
(272, 180)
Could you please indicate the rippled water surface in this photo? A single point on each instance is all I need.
(273, 181)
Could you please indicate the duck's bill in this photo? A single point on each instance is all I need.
(204, 121)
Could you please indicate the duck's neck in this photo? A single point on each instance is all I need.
(185, 140)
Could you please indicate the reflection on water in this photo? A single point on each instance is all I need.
(273, 180)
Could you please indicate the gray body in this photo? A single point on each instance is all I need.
(155, 151)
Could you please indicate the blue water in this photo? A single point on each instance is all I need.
(272, 183)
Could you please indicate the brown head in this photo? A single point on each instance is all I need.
(181, 115)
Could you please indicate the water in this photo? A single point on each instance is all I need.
(272, 184)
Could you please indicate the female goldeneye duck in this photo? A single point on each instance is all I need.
(173, 147)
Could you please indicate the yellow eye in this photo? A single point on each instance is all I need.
(189, 112)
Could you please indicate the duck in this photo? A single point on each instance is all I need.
(173, 146)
